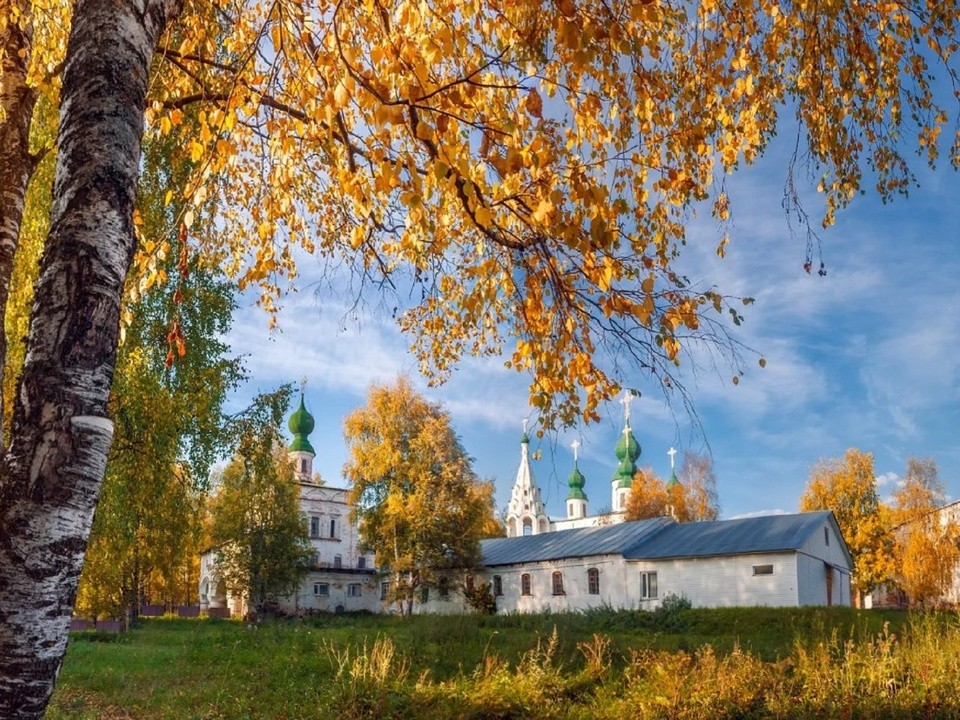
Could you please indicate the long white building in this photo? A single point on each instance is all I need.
(572, 563)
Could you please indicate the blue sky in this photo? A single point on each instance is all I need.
(867, 357)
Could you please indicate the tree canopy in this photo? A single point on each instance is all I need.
(927, 542)
(261, 541)
(421, 508)
(531, 167)
(688, 498)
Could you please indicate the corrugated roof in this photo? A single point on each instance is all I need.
(660, 538)
(770, 533)
(579, 542)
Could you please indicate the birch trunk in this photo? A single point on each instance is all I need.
(17, 101)
(60, 433)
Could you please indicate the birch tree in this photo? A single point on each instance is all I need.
(60, 434)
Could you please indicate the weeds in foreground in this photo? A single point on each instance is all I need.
(525, 667)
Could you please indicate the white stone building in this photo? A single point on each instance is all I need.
(776, 560)
(577, 562)
(341, 576)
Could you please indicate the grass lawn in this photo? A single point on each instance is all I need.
(744, 662)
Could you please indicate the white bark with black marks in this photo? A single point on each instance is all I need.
(60, 435)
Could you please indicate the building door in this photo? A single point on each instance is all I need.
(829, 576)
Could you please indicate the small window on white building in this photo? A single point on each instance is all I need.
(337, 561)
(321, 589)
(468, 583)
(527, 527)
(384, 590)
(826, 536)
(333, 528)
(525, 584)
(593, 581)
(314, 526)
(424, 594)
(362, 562)
(353, 590)
(557, 583)
(763, 569)
(303, 465)
(648, 586)
(497, 585)
(443, 587)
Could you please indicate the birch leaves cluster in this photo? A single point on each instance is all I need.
(530, 168)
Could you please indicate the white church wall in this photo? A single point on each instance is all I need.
(575, 594)
(730, 581)
(821, 551)
(334, 592)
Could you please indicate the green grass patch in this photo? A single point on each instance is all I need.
(743, 663)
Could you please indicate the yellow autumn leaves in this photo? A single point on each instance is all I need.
(543, 158)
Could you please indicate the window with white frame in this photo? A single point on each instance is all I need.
(303, 465)
(314, 526)
(648, 586)
(321, 589)
(384, 590)
(353, 590)
(333, 528)
(497, 585)
(362, 562)
(763, 569)
(443, 587)
(593, 581)
(557, 583)
(525, 588)
(337, 561)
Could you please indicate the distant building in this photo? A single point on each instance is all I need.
(776, 560)
(576, 562)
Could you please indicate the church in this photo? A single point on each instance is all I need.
(572, 563)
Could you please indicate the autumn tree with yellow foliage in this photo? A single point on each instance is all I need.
(532, 165)
(847, 486)
(421, 508)
(690, 498)
(927, 543)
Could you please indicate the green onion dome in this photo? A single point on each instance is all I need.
(301, 425)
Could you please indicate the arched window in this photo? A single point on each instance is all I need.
(527, 527)
(593, 581)
(525, 584)
(557, 583)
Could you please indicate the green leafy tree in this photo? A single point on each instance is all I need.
(421, 508)
(927, 551)
(262, 548)
(848, 487)
(169, 422)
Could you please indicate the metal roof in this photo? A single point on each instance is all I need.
(579, 542)
(662, 538)
(769, 533)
